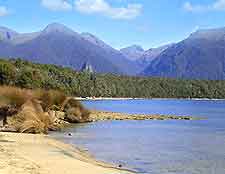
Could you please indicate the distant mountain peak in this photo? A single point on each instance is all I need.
(133, 52)
(217, 33)
(151, 54)
(57, 27)
(7, 34)
(96, 41)
(135, 47)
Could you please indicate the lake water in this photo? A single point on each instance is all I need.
(157, 147)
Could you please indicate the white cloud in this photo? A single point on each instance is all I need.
(3, 11)
(216, 6)
(57, 5)
(194, 8)
(219, 5)
(104, 8)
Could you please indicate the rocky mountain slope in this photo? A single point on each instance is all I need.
(200, 56)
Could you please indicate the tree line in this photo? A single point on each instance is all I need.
(25, 74)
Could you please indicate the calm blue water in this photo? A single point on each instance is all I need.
(157, 147)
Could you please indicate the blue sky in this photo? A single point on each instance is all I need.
(120, 23)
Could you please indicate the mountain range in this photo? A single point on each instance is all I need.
(59, 45)
(200, 56)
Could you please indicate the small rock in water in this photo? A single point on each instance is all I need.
(69, 134)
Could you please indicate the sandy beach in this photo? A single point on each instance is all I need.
(39, 154)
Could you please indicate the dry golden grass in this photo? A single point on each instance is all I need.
(31, 119)
(17, 97)
(74, 115)
(75, 112)
(14, 96)
(50, 99)
(33, 106)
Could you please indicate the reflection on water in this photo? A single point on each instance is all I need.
(157, 147)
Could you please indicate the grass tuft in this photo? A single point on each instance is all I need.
(31, 119)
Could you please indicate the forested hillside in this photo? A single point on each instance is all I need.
(18, 72)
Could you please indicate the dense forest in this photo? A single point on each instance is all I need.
(17, 72)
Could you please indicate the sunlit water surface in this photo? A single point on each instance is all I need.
(157, 147)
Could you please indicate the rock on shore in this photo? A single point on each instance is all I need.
(102, 115)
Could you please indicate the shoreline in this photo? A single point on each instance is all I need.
(97, 115)
(101, 115)
(123, 98)
(41, 154)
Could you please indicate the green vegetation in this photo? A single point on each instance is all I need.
(32, 75)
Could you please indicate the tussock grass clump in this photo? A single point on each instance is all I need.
(32, 119)
(74, 115)
(75, 112)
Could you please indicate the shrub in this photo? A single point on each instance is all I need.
(7, 72)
